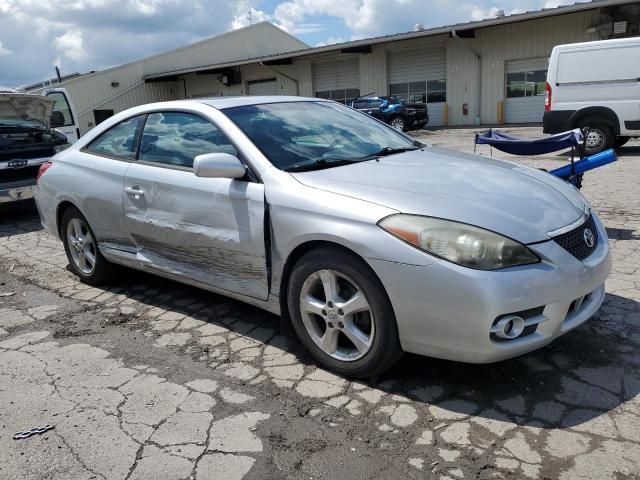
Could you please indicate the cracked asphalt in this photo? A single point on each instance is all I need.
(150, 379)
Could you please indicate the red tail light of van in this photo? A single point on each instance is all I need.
(547, 97)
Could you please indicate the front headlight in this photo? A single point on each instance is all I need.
(459, 243)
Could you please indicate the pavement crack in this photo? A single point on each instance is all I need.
(77, 457)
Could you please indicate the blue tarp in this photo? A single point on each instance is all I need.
(528, 146)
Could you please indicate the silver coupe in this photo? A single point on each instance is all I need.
(369, 242)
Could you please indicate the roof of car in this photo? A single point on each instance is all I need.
(228, 102)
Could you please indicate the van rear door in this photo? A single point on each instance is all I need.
(64, 118)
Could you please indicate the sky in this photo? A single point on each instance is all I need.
(85, 35)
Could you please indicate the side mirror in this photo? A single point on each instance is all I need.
(57, 119)
(218, 165)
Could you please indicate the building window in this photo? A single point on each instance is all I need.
(432, 91)
(341, 95)
(436, 91)
(526, 84)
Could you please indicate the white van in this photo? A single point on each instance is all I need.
(595, 85)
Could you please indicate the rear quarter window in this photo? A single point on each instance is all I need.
(119, 141)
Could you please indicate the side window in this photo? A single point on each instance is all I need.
(119, 141)
(176, 138)
(61, 105)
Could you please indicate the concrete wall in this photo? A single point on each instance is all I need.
(97, 92)
(494, 45)
(198, 86)
(524, 40)
(462, 82)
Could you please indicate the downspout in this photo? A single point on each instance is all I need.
(289, 77)
(454, 34)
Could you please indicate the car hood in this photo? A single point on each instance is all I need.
(23, 106)
(520, 202)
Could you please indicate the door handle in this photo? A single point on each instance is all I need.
(134, 191)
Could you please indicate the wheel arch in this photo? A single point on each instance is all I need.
(60, 209)
(607, 115)
(294, 256)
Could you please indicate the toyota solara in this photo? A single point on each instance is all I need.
(368, 241)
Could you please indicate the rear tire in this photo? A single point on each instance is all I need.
(342, 315)
(600, 136)
(81, 247)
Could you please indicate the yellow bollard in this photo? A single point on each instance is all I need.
(500, 112)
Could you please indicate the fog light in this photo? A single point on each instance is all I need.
(509, 327)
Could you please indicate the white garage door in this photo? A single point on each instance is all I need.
(338, 80)
(266, 86)
(524, 95)
(419, 75)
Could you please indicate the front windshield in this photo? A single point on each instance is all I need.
(297, 135)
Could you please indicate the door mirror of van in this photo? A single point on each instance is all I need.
(218, 165)
(57, 119)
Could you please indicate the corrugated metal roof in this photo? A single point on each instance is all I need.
(54, 81)
(221, 37)
(489, 22)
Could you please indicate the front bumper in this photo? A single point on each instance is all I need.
(447, 311)
(22, 187)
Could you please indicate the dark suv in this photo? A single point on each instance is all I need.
(393, 111)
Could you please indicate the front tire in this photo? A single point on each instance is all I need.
(82, 250)
(342, 315)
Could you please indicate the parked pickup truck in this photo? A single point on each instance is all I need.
(394, 112)
(29, 137)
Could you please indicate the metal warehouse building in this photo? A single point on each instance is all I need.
(490, 71)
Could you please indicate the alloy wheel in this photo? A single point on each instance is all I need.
(337, 315)
(82, 246)
(397, 123)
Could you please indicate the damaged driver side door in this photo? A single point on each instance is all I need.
(206, 229)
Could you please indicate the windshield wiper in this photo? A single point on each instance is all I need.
(320, 164)
(386, 151)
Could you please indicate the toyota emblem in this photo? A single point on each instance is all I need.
(589, 239)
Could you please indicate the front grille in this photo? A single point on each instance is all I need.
(16, 174)
(575, 242)
(28, 152)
